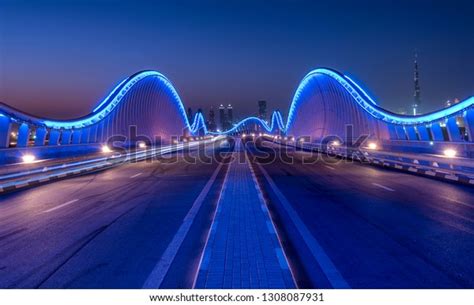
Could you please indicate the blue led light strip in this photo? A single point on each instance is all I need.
(361, 97)
(114, 98)
(368, 104)
(276, 121)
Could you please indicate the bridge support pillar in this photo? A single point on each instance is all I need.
(453, 130)
(5, 128)
(100, 130)
(40, 136)
(54, 137)
(437, 132)
(401, 134)
(23, 135)
(85, 135)
(469, 122)
(411, 132)
(76, 136)
(423, 133)
(93, 134)
(66, 137)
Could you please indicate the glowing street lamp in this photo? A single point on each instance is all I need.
(106, 149)
(450, 153)
(372, 146)
(28, 158)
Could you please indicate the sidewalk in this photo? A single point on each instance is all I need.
(243, 250)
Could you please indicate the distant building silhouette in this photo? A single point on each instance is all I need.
(417, 93)
(222, 117)
(230, 117)
(211, 123)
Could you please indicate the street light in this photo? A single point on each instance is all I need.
(29, 158)
(450, 153)
(106, 149)
(372, 145)
(141, 145)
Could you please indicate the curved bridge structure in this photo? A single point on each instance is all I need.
(325, 103)
(146, 100)
(276, 124)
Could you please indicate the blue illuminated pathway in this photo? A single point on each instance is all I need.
(243, 250)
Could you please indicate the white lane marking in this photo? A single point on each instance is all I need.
(330, 167)
(327, 266)
(383, 187)
(458, 201)
(61, 205)
(160, 270)
(136, 175)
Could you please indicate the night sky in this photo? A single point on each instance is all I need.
(58, 59)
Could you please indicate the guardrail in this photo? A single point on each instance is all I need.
(437, 166)
(42, 174)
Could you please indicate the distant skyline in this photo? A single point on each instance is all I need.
(60, 58)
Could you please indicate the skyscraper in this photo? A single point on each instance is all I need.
(416, 95)
(222, 117)
(262, 110)
(230, 116)
(211, 123)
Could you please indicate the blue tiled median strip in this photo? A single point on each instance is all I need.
(243, 250)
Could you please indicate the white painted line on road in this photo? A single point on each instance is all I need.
(330, 167)
(327, 266)
(61, 205)
(383, 187)
(458, 201)
(136, 175)
(160, 270)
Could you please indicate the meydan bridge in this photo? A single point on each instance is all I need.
(324, 104)
(342, 193)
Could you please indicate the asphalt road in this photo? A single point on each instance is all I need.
(341, 224)
(379, 228)
(108, 229)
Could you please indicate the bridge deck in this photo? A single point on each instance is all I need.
(243, 250)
